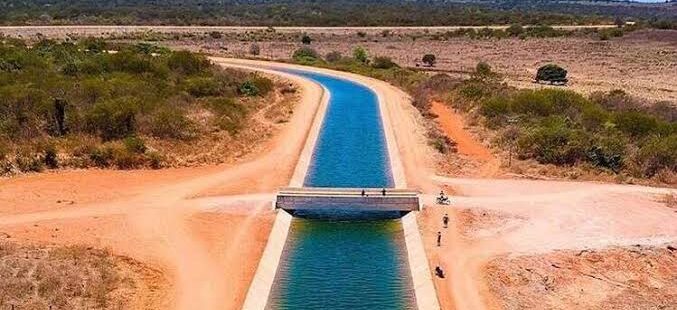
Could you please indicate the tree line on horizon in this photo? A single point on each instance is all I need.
(329, 13)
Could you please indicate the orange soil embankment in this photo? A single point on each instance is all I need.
(453, 125)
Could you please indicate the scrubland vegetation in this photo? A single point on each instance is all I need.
(538, 31)
(608, 131)
(73, 277)
(611, 131)
(93, 103)
(331, 12)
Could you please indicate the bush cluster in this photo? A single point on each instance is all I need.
(112, 92)
(562, 127)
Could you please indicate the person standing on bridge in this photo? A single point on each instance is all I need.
(439, 238)
(445, 220)
(383, 191)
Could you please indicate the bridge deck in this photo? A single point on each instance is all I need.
(309, 198)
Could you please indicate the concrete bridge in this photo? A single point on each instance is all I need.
(315, 198)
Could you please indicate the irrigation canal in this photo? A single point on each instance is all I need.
(342, 259)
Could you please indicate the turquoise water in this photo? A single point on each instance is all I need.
(346, 259)
(351, 148)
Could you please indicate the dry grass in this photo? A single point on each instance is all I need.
(73, 277)
(214, 146)
(641, 63)
(670, 201)
(616, 278)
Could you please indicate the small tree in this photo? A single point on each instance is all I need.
(254, 49)
(552, 73)
(483, 72)
(305, 54)
(360, 54)
(305, 39)
(429, 60)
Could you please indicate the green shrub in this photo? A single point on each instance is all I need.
(494, 107)
(608, 150)
(94, 45)
(305, 55)
(135, 145)
(429, 60)
(113, 119)
(636, 124)
(155, 160)
(263, 84)
(515, 30)
(123, 158)
(360, 54)
(171, 123)
(203, 87)
(657, 154)
(553, 141)
(128, 61)
(249, 89)
(606, 34)
(50, 156)
(483, 72)
(441, 143)
(102, 156)
(27, 161)
(382, 62)
(594, 117)
(532, 102)
(187, 63)
(543, 32)
(551, 73)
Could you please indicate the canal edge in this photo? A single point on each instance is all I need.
(396, 167)
(306, 156)
(263, 280)
(262, 283)
(424, 289)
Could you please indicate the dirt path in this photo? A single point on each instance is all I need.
(491, 218)
(453, 125)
